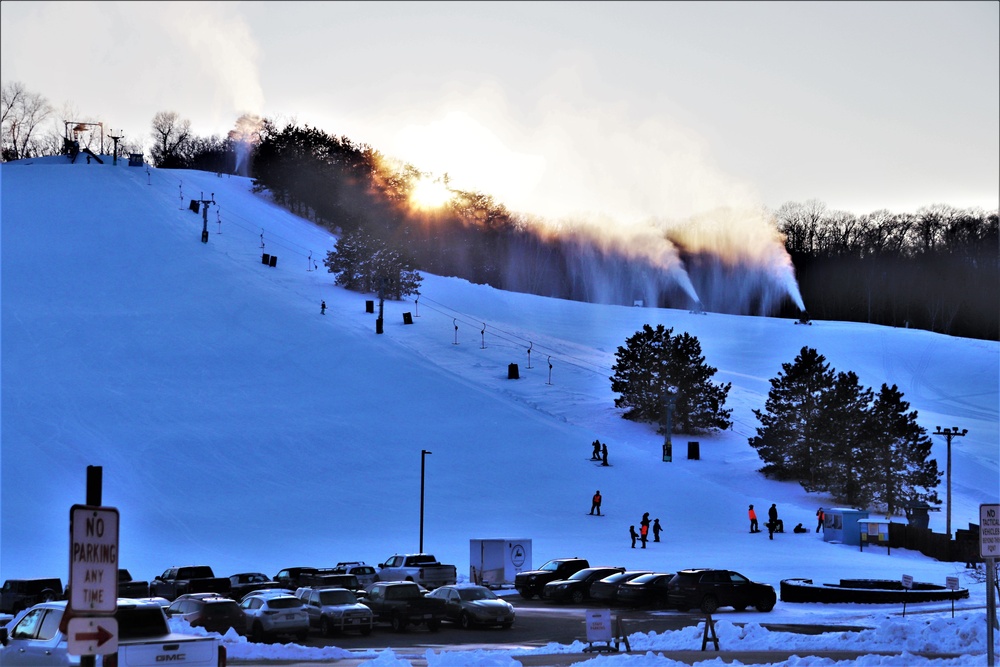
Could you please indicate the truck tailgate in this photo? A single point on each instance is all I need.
(170, 650)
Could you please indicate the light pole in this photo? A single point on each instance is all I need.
(949, 433)
(423, 455)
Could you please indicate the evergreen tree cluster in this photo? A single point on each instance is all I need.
(365, 264)
(655, 364)
(821, 428)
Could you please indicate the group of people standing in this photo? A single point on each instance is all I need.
(600, 452)
(776, 525)
(644, 528)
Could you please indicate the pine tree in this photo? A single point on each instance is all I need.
(654, 363)
(897, 454)
(787, 440)
(840, 437)
(365, 264)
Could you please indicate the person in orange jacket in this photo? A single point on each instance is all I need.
(595, 503)
(753, 521)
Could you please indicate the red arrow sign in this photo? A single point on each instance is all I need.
(101, 636)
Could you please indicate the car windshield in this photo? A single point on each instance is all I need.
(480, 593)
(364, 570)
(551, 566)
(337, 597)
(284, 602)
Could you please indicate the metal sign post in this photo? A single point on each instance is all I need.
(989, 551)
(89, 623)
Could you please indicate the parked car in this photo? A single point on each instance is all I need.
(470, 605)
(530, 583)
(273, 613)
(328, 577)
(335, 609)
(708, 589)
(246, 582)
(576, 588)
(403, 603)
(210, 611)
(290, 577)
(647, 590)
(366, 574)
(18, 594)
(606, 589)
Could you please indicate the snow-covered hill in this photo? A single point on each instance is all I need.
(240, 428)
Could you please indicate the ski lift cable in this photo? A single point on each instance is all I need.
(519, 342)
(230, 216)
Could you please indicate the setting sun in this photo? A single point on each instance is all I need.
(428, 194)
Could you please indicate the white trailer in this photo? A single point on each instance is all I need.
(495, 562)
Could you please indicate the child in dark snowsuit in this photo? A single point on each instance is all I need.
(633, 534)
(656, 530)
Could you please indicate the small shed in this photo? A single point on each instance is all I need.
(840, 525)
(495, 562)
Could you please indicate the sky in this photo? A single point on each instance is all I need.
(620, 112)
(237, 426)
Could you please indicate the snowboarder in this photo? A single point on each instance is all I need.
(633, 534)
(754, 528)
(322, 307)
(656, 530)
(644, 529)
(596, 503)
(774, 524)
(819, 519)
(596, 456)
(604, 453)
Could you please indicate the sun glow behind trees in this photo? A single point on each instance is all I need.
(429, 195)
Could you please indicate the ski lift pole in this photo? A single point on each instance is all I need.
(550, 370)
(483, 334)
(530, 345)
(309, 261)
(455, 322)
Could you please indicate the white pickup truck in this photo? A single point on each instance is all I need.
(144, 639)
(423, 569)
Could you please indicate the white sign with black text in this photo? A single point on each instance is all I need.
(989, 531)
(93, 560)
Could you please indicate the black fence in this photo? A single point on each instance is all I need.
(963, 549)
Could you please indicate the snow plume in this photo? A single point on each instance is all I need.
(737, 260)
(599, 262)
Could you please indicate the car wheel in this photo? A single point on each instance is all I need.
(465, 621)
(434, 624)
(766, 603)
(577, 597)
(398, 624)
(48, 595)
(325, 628)
(257, 634)
(709, 604)
(527, 595)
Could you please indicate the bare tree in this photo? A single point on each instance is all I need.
(22, 112)
(171, 135)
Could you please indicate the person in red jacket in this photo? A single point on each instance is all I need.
(819, 518)
(753, 521)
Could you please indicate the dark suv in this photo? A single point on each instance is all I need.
(530, 583)
(18, 594)
(209, 611)
(710, 589)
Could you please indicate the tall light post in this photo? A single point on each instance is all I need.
(949, 433)
(423, 455)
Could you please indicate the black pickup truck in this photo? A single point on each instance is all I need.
(176, 581)
(530, 583)
(402, 603)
